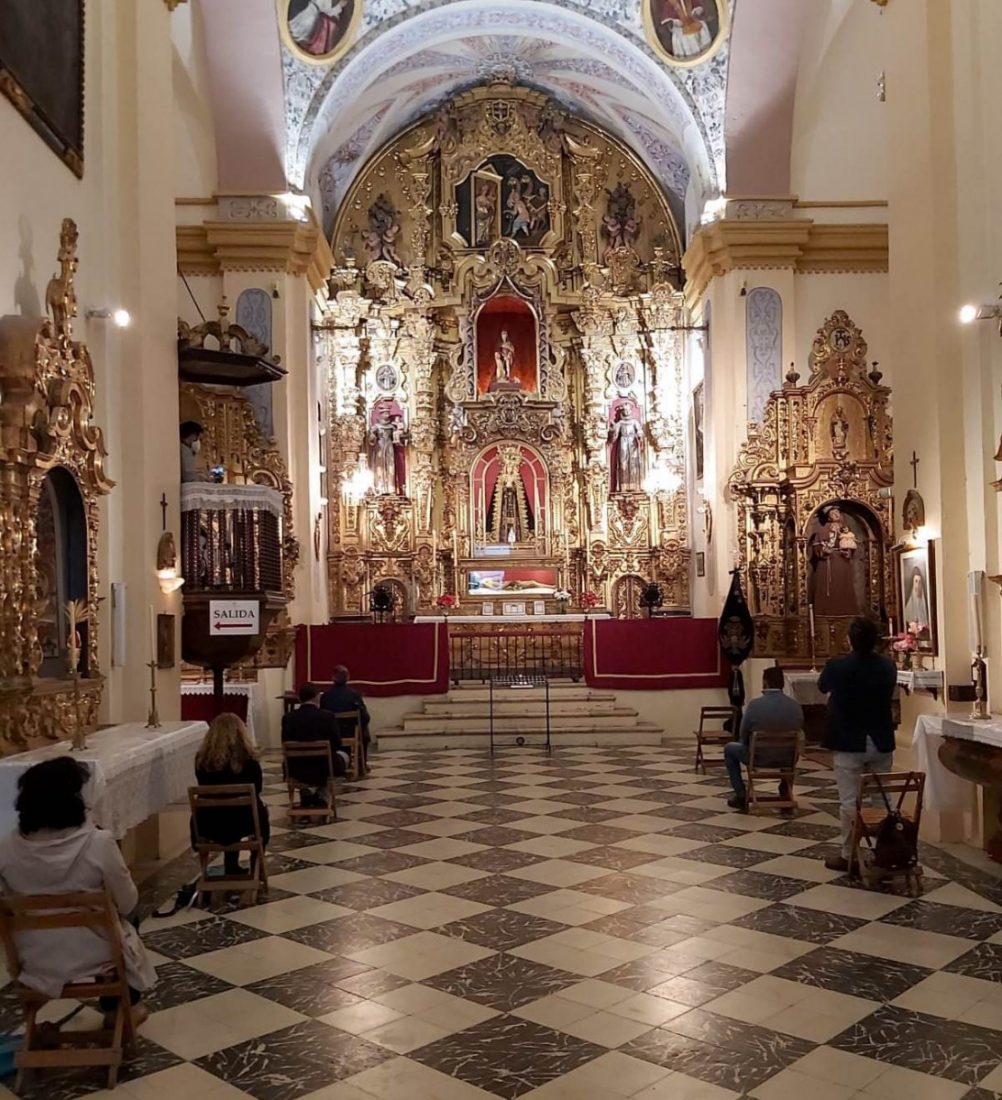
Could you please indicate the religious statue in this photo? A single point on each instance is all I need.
(386, 441)
(832, 550)
(839, 433)
(509, 516)
(525, 207)
(626, 437)
(620, 221)
(383, 230)
(504, 358)
(484, 211)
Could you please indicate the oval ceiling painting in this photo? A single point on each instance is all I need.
(319, 31)
(685, 32)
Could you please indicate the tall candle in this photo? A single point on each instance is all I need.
(72, 609)
(978, 640)
(153, 636)
(810, 612)
(890, 627)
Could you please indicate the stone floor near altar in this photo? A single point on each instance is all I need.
(591, 926)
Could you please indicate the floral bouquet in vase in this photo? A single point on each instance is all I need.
(906, 644)
(563, 598)
(589, 600)
(446, 602)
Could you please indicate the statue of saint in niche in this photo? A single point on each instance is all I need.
(626, 437)
(833, 549)
(840, 433)
(504, 359)
(510, 516)
(387, 437)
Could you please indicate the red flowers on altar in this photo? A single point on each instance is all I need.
(589, 599)
(446, 601)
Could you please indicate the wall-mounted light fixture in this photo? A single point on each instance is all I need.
(970, 313)
(120, 316)
(167, 575)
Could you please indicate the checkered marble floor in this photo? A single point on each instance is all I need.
(590, 926)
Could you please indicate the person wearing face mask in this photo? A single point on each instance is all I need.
(193, 467)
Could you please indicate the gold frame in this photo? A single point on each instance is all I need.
(345, 44)
(650, 33)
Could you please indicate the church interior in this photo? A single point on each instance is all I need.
(559, 368)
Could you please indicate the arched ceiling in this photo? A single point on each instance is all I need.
(588, 54)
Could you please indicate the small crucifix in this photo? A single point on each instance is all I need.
(163, 508)
(914, 465)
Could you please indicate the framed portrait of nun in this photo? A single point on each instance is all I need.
(916, 580)
(685, 32)
(319, 32)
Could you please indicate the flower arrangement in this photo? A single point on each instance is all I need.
(906, 643)
(446, 601)
(563, 597)
(589, 599)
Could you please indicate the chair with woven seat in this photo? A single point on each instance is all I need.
(315, 752)
(48, 1046)
(773, 759)
(875, 796)
(237, 798)
(711, 732)
(350, 727)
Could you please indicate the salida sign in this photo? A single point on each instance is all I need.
(233, 617)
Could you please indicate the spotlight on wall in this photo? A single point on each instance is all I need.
(121, 317)
(970, 313)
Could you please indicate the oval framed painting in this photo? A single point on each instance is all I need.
(319, 31)
(686, 32)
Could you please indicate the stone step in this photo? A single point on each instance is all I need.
(563, 691)
(618, 718)
(507, 706)
(640, 733)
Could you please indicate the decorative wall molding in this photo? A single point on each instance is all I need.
(800, 244)
(763, 347)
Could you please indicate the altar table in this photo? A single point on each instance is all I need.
(135, 772)
(244, 700)
(944, 791)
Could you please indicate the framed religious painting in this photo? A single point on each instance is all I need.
(685, 32)
(915, 572)
(42, 71)
(319, 32)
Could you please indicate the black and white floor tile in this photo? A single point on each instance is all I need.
(594, 925)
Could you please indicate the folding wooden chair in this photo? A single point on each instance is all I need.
(871, 809)
(313, 751)
(353, 742)
(48, 1046)
(773, 759)
(717, 735)
(235, 798)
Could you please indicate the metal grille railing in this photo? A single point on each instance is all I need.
(511, 653)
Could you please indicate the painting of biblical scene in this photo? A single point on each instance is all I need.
(506, 346)
(518, 582)
(917, 594)
(503, 198)
(42, 71)
(318, 31)
(685, 32)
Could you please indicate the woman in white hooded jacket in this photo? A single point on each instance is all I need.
(56, 850)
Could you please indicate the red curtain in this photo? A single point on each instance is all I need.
(203, 708)
(653, 654)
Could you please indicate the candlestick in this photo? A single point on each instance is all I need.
(891, 621)
(153, 636)
(814, 663)
(153, 719)
(79, 739)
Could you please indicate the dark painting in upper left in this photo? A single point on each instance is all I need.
(42, 70)
(319, 31)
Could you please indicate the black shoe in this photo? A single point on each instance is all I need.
(736, 802)
(837, 863)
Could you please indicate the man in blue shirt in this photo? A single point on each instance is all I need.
(771, 712)
(860, 687)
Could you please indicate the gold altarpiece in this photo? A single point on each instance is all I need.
(828, 441)
(52, 479)
(503, 344)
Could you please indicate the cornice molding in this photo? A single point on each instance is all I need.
(800, 244)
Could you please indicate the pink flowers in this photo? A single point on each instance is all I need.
(446, 600)
(589, 599)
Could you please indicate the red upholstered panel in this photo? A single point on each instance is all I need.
(202, 708)
(383, 659)
(653, 654)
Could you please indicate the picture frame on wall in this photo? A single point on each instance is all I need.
(685, 33)
(42, 71)
(319, 32)
(915, 580)
(700, 563)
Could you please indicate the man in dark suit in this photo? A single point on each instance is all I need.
(341, 697)
(771, 712)
(860, 688)
(309, 723)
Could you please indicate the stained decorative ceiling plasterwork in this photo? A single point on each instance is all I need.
(588, 54)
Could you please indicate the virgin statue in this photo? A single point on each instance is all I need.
(626, 436)
(504, 358)
(832, 549)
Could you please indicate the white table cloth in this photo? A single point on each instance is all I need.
(135, 772)
(208, 496)
(251, 691)
(944, 791)
(803, 686)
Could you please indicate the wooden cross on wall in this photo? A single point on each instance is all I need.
(914, 465)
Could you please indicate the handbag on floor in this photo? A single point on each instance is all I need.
(895, 844)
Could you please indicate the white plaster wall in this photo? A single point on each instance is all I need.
(839, 126)
(195, 170)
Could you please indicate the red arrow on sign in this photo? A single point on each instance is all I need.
(230, 626)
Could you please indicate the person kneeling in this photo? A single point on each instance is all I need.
(309, 723)
(56, 850)
(771, 712)
(227, 757)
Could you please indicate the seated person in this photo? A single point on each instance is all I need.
(771, 712)
(56, 850)
(226, 757)
(309, 723)
(340, 696)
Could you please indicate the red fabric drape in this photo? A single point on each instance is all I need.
(202, 708)
(383, 659)
(653, 654)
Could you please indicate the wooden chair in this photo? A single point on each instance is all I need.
(313, 751)
(240, 797)
(871, 809)
(353, 742)
(714, 717)
(763, 750)
(48, 1046)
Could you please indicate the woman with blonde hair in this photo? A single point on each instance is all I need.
(227, 756)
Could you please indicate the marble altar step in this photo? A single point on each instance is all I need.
(563, 691)
(513, 718)
(584, 733)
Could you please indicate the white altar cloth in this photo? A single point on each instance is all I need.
(803, 686)
(944, 791)
(135, 772)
